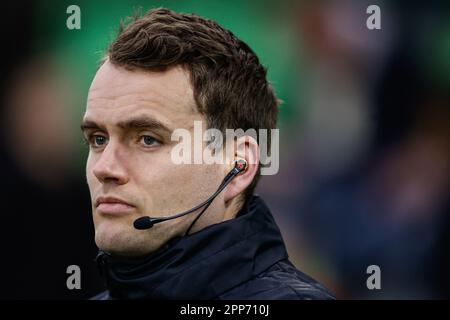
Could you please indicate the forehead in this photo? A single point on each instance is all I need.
(117, 93)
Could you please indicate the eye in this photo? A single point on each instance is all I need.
(97, 141)
(149, 141)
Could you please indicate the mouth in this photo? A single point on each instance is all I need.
(112, 205)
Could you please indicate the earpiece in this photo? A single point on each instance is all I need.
(241, 165)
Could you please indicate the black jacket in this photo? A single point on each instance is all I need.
(241, 258)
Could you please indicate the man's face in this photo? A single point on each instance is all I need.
(129, 119)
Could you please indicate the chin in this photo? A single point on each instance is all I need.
(120, 239)
(114, 237)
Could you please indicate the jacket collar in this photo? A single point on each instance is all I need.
(202, 265)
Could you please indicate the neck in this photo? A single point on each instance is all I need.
(232, 208)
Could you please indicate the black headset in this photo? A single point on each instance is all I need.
(147, 222)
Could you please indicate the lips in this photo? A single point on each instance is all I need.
(112, 205)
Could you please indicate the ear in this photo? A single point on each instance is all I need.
(247, 148)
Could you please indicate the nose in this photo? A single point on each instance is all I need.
(110, 166)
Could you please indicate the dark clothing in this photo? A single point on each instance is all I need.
(241, 258)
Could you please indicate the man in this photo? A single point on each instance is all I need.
(164, 72)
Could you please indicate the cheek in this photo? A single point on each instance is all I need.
(179, 187)
(90, 177)
(161, 183)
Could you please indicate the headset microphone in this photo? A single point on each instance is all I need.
(144, 223)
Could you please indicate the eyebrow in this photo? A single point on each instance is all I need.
(141, 122)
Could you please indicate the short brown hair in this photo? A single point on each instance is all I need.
(229, 83)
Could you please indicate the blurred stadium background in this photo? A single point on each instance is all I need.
(364, 131)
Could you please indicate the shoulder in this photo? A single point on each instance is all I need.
(282, 281)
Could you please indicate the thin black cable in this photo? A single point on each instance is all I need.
(224, 183)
